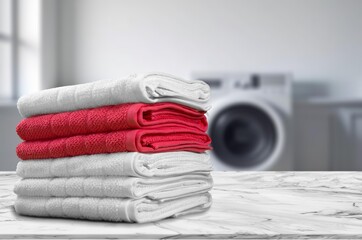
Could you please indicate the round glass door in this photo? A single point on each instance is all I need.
(243, 135)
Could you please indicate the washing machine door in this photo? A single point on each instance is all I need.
(246, 134)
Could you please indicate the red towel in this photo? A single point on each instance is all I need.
(140, 140)
(109, 119)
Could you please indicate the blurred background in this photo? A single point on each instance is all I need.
(293, 67)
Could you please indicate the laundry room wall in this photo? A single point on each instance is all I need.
(315, 40)
(318, 41)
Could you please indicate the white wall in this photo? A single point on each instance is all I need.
(314, 39)
(9, 118)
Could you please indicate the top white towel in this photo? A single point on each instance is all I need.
(147, 88)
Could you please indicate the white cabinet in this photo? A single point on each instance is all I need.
(328, 136)
(346, 139)
(311, 137)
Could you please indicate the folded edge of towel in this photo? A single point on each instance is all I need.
(114, 187)
(138, 140)
(135, 164)
(110, 118)
(147, 88)
(111, 209)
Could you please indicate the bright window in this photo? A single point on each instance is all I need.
(20, 50)
(6, 50)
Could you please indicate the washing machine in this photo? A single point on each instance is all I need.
(250, 122)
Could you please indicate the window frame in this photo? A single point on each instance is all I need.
(14, 49)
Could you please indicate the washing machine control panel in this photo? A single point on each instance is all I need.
(260, 83)
(252, 82)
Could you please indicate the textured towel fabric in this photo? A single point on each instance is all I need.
(167, 164)
(110, 118)
(142, 140)
(146, 88)
(111, 209)
(115, 187)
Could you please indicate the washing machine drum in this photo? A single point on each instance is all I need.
(243, 135)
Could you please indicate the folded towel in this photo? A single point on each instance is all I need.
(147, 88)
(135, 164)
(110, 118)
(110, 186)
(112, 209)
(142, 140)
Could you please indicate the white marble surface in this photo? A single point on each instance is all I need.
(280, 205)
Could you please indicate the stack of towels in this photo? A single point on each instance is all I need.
(117, 150)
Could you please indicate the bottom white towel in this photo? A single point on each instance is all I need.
(111, 209)
(110, 186)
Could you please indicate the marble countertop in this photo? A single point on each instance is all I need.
(277, 205)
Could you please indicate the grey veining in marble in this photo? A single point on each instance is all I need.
(250, 205)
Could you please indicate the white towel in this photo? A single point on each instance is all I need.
(147, 88)
(111, 209)
(123, 187)
(135, 164)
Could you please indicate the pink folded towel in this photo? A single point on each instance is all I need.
(140, 140)
(109, 119)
